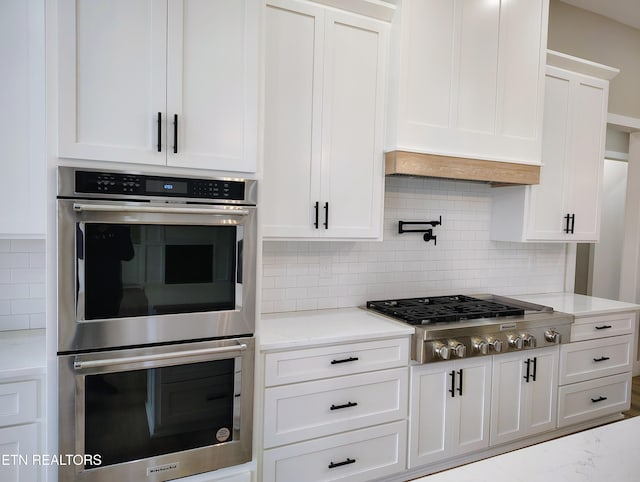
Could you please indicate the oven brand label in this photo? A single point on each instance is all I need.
(507, 326)
(159, 469)
(223, 434)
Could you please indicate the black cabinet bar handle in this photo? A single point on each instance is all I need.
(317, 208)
(346, 405)
(452, 391)
(535, 368)
(175, 133)
(345, 360)
(326, 215)
(603, 327)
(600, 399)
(460, 382)
(159, 131)
(573, 222)
(340, 464)
(602, 358)
(566, 228)
(528, 363)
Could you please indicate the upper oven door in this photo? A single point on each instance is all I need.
(135, 273)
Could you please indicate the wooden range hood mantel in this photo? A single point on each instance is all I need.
(431, 165)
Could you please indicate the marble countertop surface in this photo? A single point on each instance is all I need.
(22, 353)
(601, 454)
(578, 305)
(321, 327)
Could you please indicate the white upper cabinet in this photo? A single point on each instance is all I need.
(324, 96)
(566, 205)
(129, 69)
(22, 123)
(469, 79)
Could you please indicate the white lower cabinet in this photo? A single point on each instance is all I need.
(524, 394)
(595, 369)
(355, 456)
(336, 412)
(20, 430)
(449, 412)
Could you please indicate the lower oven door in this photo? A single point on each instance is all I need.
(154, 414)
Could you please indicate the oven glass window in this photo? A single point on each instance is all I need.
(140, 270)
(144, 413)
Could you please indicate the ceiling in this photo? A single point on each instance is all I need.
(623, 11)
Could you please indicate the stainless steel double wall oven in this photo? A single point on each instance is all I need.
(156, 317)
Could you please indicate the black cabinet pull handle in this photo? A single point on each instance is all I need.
(566, 228)
(452, 391)
(535, 368)
(602, 358)
(326, 215)
(573, 222)
(600, 399)
(528, 363)
(317, 208)
(603, 327)
(345, 360)
(159, 131)
(340, 464)
(346, 405)
(175, 133)
(460, 382)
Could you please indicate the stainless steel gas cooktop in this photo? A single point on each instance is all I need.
(460, 326)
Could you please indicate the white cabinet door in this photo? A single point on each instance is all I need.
(22, 131)
(212, 84)
(18, 447)
(128, 69)
(324, 97)
(524, 394)
(352, 181)
(112, 80)
(470, 79)
(292, 143)
(450, 406)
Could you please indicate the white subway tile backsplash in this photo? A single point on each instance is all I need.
(22, 288)
(300, 275)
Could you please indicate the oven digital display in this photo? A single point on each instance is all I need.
(166, 186)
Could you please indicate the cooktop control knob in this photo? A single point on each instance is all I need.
(552, 336)
(495, 344)
(528, 340)
(515, 341)
(479, 345)
(440, 350)
(457, 349)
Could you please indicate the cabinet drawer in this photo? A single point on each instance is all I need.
(324, 407)
(356, 456)
(596, 398)
(22, 440)
(601, 326)
(332, 361)
(595, 358)
(18, 402)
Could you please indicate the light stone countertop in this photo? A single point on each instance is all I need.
(300, 329)
(603, 454)
(22, 353)
(578, 305)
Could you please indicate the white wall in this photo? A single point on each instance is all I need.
(22, 284)
(584, 34)
(306, 275)
(607, 253)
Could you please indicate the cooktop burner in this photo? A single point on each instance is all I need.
(441, 309)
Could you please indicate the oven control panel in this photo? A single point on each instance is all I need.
(110, 183)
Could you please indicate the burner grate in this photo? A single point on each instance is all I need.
(441, 309)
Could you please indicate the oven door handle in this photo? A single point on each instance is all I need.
(79, 364)
(80, 207)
